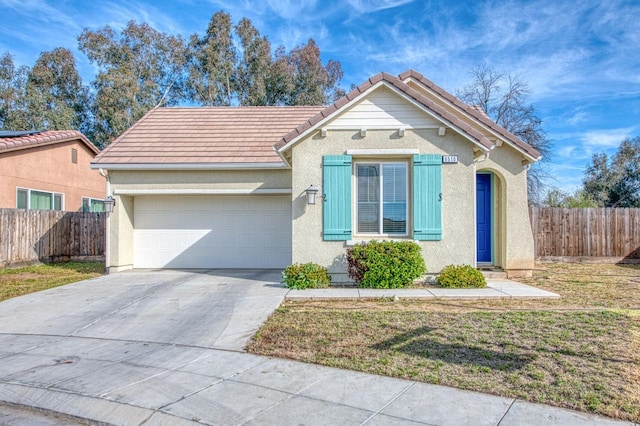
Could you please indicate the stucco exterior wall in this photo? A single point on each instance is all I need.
(458, 245)
(49, 168)
(457, 195)
(122, 222)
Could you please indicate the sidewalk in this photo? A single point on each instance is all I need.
(496, 289)
(135, 383)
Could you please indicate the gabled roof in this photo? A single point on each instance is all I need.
(13, 141)
(393, 82)
(473, 111)
(204, 136)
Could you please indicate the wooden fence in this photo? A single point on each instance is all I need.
(32, 236)
(586, 233)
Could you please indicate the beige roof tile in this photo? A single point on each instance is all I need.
(47, 137)
(216, 135)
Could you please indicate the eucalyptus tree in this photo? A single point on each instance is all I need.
(254, 70)
(139, 68)
(55, 96)
(13, 84)
(213, 63)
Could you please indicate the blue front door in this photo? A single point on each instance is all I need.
(483, 217)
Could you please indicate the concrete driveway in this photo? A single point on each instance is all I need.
(206, 308)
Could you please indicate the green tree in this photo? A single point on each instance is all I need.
(13, 105)
(255, 67)
(280, 82)
(212, 63)
(558, 198)
(139, 69)
(615, 182)
(56, 98)
(313, 83)
(503, 97)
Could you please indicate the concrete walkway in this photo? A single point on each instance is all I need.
(160, 348)
(496, 289)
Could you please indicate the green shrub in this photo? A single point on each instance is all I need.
(461, 276)
(385, 264)
(305, 275)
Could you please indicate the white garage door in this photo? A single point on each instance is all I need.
(212, 231)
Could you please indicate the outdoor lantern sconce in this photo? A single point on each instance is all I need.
(311, 191)
(109, 204)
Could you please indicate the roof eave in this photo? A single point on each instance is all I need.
(189, 166)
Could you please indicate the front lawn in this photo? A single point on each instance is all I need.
(21, 281)
(580, 352)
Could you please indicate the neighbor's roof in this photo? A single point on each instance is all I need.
(13, 141)
(205, 135)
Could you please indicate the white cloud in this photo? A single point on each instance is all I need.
(606, 138)
(369, 6)
(578, 117)
(567, 151)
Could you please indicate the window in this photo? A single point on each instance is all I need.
(381, 203)
(38, 200)
(381, 198)
(92, 205)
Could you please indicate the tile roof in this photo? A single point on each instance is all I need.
(205, 135)
(472, 110)
(48, 137)
(246, 136)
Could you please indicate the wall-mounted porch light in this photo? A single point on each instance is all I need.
(109, 204)
(311, 191)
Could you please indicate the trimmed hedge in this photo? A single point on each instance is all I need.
(461, 276)
(305, 275)
(385, 264)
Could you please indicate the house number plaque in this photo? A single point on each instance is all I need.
(449, 159)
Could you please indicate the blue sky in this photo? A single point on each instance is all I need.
(580, 58)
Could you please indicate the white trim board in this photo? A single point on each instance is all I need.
(204, 191)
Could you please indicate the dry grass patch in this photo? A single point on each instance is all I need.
(18, 282)
(581, 352)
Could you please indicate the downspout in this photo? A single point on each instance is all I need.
(475, 207)
(107, 227)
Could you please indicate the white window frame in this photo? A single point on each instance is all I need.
(90, 199)
(53, 195)
(381, 199)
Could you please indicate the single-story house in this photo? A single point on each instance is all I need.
(396, 158)
(49, 170)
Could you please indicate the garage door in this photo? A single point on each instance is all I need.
(212, 231)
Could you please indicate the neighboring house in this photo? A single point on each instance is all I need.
(49, 170)
(397, 158)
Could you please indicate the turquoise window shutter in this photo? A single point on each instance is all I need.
(336, 185)
(427, 197)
